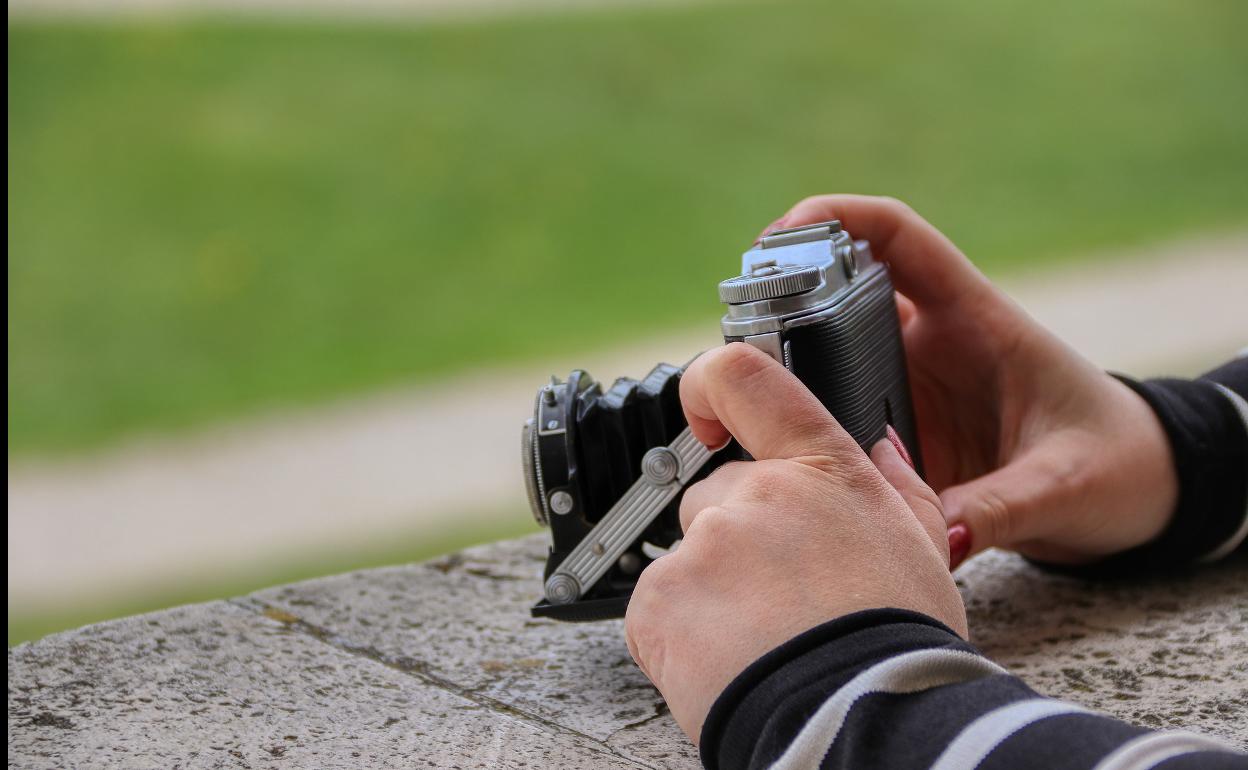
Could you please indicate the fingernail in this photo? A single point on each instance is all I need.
(771, 228)
(895, 440)
(959, 544)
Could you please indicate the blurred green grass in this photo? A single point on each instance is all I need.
(209, 217)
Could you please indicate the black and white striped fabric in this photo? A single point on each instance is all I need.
(891, 688)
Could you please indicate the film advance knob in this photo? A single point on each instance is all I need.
(768, 281)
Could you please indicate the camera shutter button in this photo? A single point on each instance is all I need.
(768, 281)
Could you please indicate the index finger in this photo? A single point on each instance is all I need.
(923, 264)
(740, 391)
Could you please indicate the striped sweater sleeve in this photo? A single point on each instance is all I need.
(892, 688)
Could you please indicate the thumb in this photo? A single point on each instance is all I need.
(893, 462)
(997, 509)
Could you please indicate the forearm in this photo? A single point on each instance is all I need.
(891, 689)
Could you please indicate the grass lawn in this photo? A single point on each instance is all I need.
(208, 217)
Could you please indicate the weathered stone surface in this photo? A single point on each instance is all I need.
(1161, 652)
(217, 685)
(464, 619)
(439, 665)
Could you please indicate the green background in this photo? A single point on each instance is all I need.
(211, 217)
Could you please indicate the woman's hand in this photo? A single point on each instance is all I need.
(808, 532)
(1031, 447)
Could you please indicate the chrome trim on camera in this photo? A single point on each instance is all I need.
(531, 464)
(561, 502)
(625, 521)
(769, 281)
(803, 234)
(863, 282)
(771, 344)
(841, 260)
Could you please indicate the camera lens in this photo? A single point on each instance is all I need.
(531, 462)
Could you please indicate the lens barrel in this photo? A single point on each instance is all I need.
(581, 451)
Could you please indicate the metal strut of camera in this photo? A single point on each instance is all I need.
(664, 472)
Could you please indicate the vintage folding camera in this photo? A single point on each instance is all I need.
(606, 469)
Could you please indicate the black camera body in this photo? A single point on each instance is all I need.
(606, 469)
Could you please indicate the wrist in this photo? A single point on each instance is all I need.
(1208, 443)
(1146, 473)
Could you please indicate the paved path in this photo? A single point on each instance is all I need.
(439, 665)
(428, 459)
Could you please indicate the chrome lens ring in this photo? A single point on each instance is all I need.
(531, 461)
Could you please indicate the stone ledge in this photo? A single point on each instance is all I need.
(438, 664)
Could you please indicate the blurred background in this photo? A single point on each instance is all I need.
(284, 276)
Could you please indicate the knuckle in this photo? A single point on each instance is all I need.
(637, 620)
(994, 512)
(644, 637)
(643, 619)
(930, 517)
(710, 491)
(1077, 476)
(660, 578)
(898, 207)
(811, 206)
(690, 505)
(631, 630)
(841, 469)
(661, 589)
(927, 504)
(709, 529)
(716, 534)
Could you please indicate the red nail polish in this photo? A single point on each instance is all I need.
(959, 544)
(895, 440)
